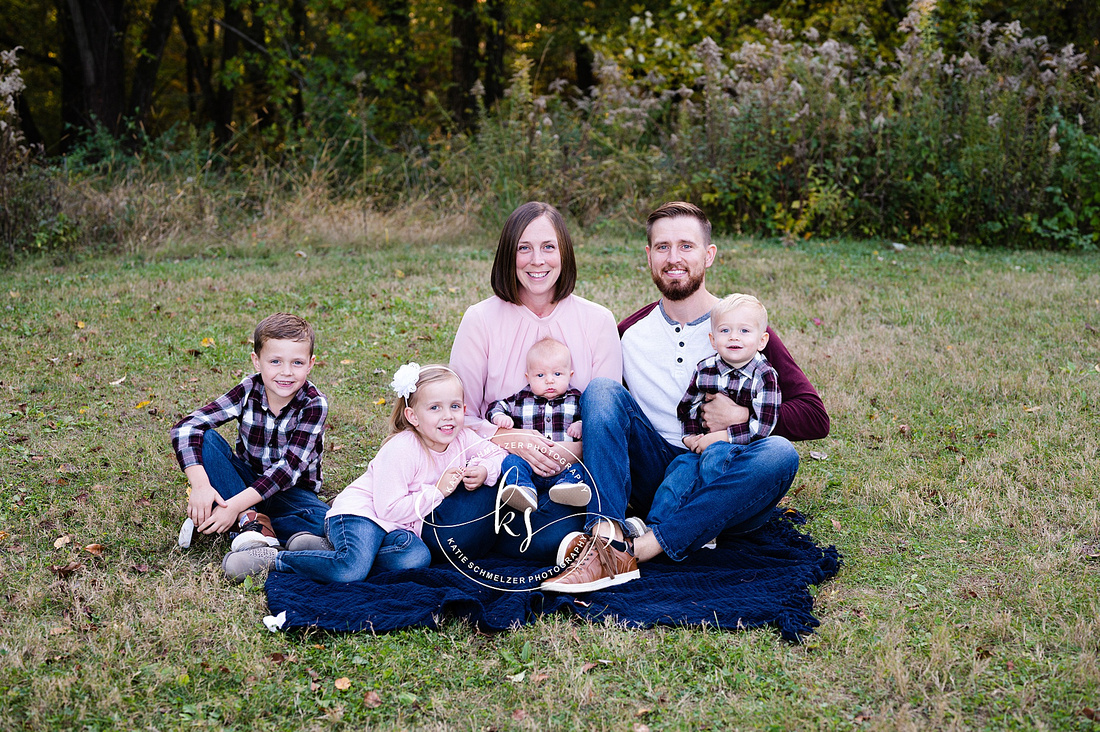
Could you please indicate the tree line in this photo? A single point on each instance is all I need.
(266, 73)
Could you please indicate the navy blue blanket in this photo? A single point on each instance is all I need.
(747, 582)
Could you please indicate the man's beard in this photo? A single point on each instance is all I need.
(677, 290)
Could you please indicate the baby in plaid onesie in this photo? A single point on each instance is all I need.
(548, 406)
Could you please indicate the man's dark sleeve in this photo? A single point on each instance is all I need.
(802, 414)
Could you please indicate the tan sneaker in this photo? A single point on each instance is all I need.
(569, 550)
(598, 565)
(570, 494)
(519, 497)
(255, 530)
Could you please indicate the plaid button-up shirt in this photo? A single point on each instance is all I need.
(550, 417)
(283, 450)
(755, 385)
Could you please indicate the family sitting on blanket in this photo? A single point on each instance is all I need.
(632, 434)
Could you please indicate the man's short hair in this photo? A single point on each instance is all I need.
(673, 209)
(548, 348)
(731, 302)
(282, 327)
(503, 278)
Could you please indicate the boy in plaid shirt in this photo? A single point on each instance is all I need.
(267, 488)
(548, 406)
(738, 369)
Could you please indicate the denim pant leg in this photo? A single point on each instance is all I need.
(401, 549)
(681, 479)
(294, 510)
(355, 541)
(625, 455)
(228, 473)
(753, 479)
(463, 522)
(517, 471)
(573, 473)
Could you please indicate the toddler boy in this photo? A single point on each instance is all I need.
(738, 369)
(547, 405)
(267, 488)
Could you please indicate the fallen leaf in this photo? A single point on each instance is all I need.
(588, 667)
(539, 678)
(208, 343)
(343, 683)
(314, 686)
(516, 678)
(346, 361)
(819, 455)
(80, 324)
(3, 535)
(400, 274)
(836, 524)
(904, 429)
(380, 401)
(372, 700)
(277, 657)
(66, 468)
(95, 549)
(117, 382)
(63, 572)
(519, 715)
(141, 405)
(61, 541)
(58, 631)
(301, 254)
(1090, 713)
(312, 674)
(140, 568)
(639, 727)
(642, 711)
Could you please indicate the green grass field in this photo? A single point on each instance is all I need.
(960, 484)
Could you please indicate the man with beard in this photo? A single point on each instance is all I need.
(632, 433)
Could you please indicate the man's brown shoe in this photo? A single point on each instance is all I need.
(598, 565)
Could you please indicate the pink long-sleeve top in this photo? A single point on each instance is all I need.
(399, 488)
(489, 352)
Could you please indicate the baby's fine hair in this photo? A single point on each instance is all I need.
(548, 348)
(731, 302)
(282, 327)
(429, 374)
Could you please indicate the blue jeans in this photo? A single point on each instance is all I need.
(629, 460)
(359, 545)
(469, 522)
(292, 510)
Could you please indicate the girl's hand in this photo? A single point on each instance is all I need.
(449, 480)
(474, 476)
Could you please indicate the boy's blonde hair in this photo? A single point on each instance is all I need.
(731, 302)
(282, 327)
(430, 374)
(548, 348)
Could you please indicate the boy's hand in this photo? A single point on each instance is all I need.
(574, 430)
(702, 442)
(691, 440)
(449, 481)
(504, 421)
(203, 499)
(222, 519)
(474, 476)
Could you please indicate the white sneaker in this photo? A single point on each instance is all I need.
(570, 494)
(635, 527)
(187, 533)
(519, 497)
